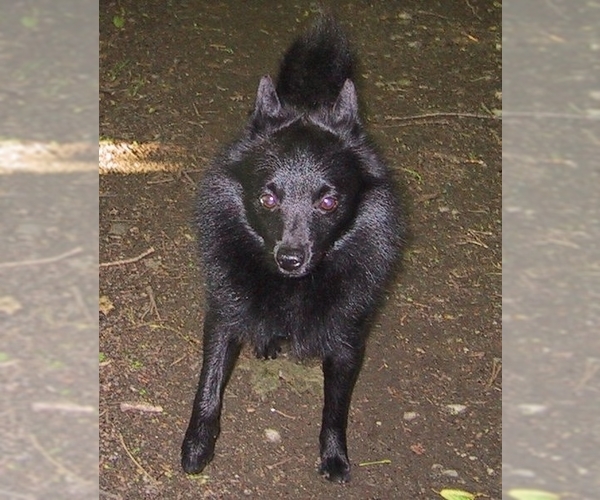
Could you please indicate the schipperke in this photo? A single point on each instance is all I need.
(299, 228)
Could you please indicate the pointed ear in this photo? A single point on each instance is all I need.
(345, 108)
(267, 103)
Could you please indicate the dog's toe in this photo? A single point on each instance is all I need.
(195, 457)
(198, 448)
(335, 469)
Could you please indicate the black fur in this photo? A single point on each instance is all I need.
(299, 228)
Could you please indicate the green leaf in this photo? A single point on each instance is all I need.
(457, 495)
(119, 21)
(524, 494)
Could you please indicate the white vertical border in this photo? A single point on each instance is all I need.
(551, 233)
(60, 458)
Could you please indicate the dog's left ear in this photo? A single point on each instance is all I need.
(267, 102)
(345, 109)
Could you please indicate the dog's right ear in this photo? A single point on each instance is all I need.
(268, 114)
(345, 109)
(267, 102)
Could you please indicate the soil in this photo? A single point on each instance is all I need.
(177, 80)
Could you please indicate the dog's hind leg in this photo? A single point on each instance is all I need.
(340, 372)
(220, 354)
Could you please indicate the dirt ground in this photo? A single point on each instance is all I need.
(177, 80)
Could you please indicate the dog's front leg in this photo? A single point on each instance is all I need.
(340, 372)
(220, 354)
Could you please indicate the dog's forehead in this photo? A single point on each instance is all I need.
(298, 175)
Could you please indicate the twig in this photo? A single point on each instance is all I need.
(127, 261)
(140, 468)
(195, 108)
(546, 114)
(110, 495)
(61, 468)
(283, 414)
(10, 362)
(475, 240)
(140, 407)
(178, 360)
(424, 12)
(472, 9)
(591, 368)
(187, 177)
(160, 181)
(63, 407)
(153, 306)
(46, 260)
(81, 304)
(499, 116)
(443, 115)
(14, 494)
(496, 369)
(271, 467)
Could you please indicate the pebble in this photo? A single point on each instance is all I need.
(450, 473)
(532, 409)
(272, 436)
(455, 409)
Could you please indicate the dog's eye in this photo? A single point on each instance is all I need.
(268, 200)
(328, 203)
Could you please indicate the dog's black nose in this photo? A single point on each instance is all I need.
(290, 259)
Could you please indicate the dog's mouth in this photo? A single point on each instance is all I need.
(293, 261)
(301, 273)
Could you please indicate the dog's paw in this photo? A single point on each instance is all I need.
(336, 469)
(198, 448)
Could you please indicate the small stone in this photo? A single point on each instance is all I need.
(523, 473)
(450, 473)
(532, 409)
(272, 436)
(118, 228)
(455, 409)
(410, 415)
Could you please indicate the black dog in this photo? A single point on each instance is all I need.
(299, 227)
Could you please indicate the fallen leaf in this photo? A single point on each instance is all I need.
(105, 305)
(525, 494)
(456, 495)
(418, 448)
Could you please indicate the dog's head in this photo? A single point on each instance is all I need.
(301, 177)
(301, 191)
